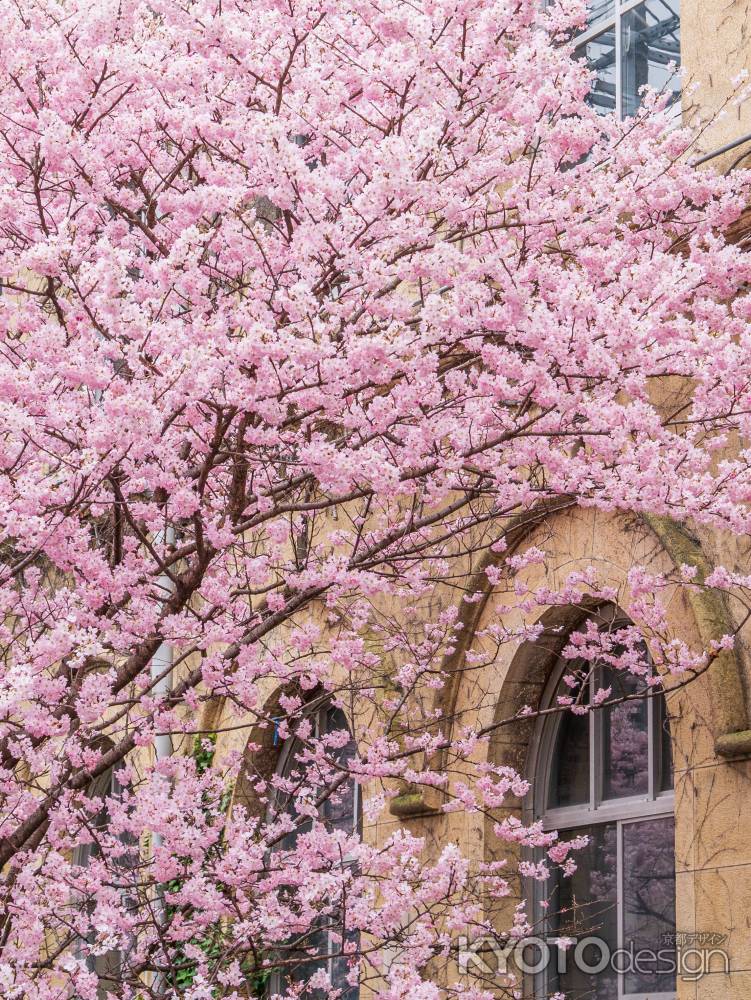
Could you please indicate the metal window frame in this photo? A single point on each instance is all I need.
(601, 25)
(606, 21)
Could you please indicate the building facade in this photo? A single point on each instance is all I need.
(662, 787)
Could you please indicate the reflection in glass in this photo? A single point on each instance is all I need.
(586, 904)
(600, 55)
(293, 771)
(625, 738)
(569, 780)
(306, 960)
(650, 42)
(340, 808)
(597, 9)
(622, 893)
(649, 903)
(340, 970)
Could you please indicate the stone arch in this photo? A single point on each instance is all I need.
(631, 539)
(664, 542)
(516, 744)
(527, 682)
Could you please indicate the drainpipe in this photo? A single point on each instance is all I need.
(161, 663)
(722, 149)
(161, 674)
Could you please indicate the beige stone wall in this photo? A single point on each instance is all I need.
(713, 808)
(715, 47)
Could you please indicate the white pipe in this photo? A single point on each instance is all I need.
(161, 674)
(161, 662)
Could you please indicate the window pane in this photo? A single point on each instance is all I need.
(319, 949)
(569, 776)
(294, 771)
(649, 903)
(597, 9)
(335, 720)
(585, 905)
(650, 41)
(314, 951)
(600, 56)
(625, 738)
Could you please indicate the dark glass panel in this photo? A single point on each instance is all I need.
(339, 809)
(340, 969)
(304, 953)
(294, 771)
(664, 746)
(319, 949)
(108, 965)
(649, 904)
(585, 905)
(569, 774)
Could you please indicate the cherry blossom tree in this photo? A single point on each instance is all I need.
(306, 306)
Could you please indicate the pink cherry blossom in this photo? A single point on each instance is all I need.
(306, 308)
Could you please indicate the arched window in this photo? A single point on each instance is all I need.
(341, 811)
(607, 775)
